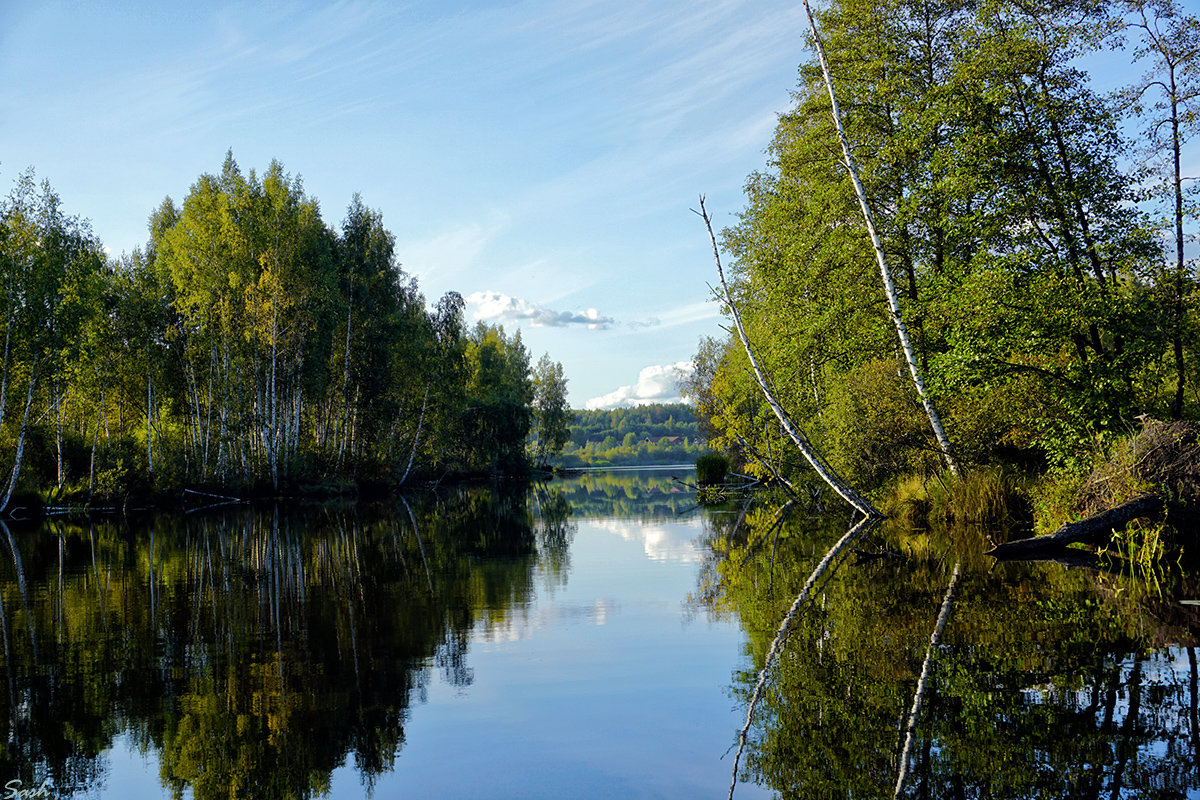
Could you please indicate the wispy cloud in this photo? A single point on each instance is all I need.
(451, 253)
(693, 312)
(498, 306)
(655, 384)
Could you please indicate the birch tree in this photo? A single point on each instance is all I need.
(49, 262)
(1167, 97)
(1016, 266)
(889, 287)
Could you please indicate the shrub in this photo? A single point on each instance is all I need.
(875, 428)
(711, 469)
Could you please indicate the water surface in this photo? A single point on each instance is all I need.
(484, 642)
(592, 637)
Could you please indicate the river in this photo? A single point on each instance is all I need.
(597, 636)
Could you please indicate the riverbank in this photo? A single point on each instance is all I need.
(1152, 475)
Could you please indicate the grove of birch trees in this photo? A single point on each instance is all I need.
(1034, 222)
(249, 345)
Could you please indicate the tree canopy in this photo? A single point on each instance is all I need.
(1029, 267)
(249, 344)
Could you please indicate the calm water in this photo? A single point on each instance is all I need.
(596, 637)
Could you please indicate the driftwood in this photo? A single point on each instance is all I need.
(1096, 529)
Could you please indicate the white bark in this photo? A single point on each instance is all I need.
(16, 470)
(95, 444)
(914, 715)
(149, 422)
(818, 463)
(852, 535)
(417, 440)
(893, 300)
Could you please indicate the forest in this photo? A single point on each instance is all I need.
(655, 433)
(250, 347)
(1037, 227)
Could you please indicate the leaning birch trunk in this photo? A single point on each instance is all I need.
(818, 463)
(417, 440)
(16, 470)
(893, 300)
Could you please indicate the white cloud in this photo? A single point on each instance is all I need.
(498, 306)
(655, 384)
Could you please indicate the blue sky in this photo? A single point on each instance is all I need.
(540, 157)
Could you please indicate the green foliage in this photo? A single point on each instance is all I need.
(551, 413)
(1035, 663)
(647, 434)
(496, 423)
(261, 697)
(874, 425)
(711, 469)
(249, 345)
(1030, 275)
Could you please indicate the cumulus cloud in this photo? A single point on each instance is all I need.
(498, 306)
(655, 384)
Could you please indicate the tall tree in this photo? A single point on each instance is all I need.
(497, 419)
(49, 262)
(994, 175)
(551, 413)
(1168, 97)
(889, 286)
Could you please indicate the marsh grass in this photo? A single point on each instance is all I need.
(1139, 552)
(986, 495)
(711, 469)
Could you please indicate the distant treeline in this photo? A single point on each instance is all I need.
(649, 434)
(249, 345)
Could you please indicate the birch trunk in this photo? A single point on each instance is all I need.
(818, 463)
(58, 434)
(272, 421)
(95, 445)
(16, 470)
(149, 424)
(340, 435)
(893, 300)
(417, 440)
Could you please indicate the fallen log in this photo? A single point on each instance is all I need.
(1095, 530)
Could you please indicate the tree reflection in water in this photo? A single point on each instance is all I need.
(1048, 681)
(254, 651)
